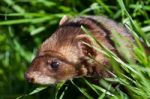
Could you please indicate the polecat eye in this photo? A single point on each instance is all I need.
(54, 64)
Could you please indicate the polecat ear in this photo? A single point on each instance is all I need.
(63, 20)
(84, 49)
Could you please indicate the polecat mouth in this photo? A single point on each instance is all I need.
(39, 78)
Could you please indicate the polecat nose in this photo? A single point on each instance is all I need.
(29, 78)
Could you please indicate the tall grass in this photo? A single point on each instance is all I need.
(24, 24)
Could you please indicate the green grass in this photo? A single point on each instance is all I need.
(24, 24)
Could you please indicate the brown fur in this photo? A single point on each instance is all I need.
(66, 47)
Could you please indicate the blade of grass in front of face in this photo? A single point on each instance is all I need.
(103, 90)
(124, 46)
(37, 90)
(107, 51)
(58, 87)
(135, 76)
(135, 90)
(102, 96)
(90, 35)
(82, 90)
(106, 85)
(137, 39)
(63, 93)
(90, 84)
(139, 50)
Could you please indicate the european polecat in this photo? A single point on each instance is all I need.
(64, 56)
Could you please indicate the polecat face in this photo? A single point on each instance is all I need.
(50, 69)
